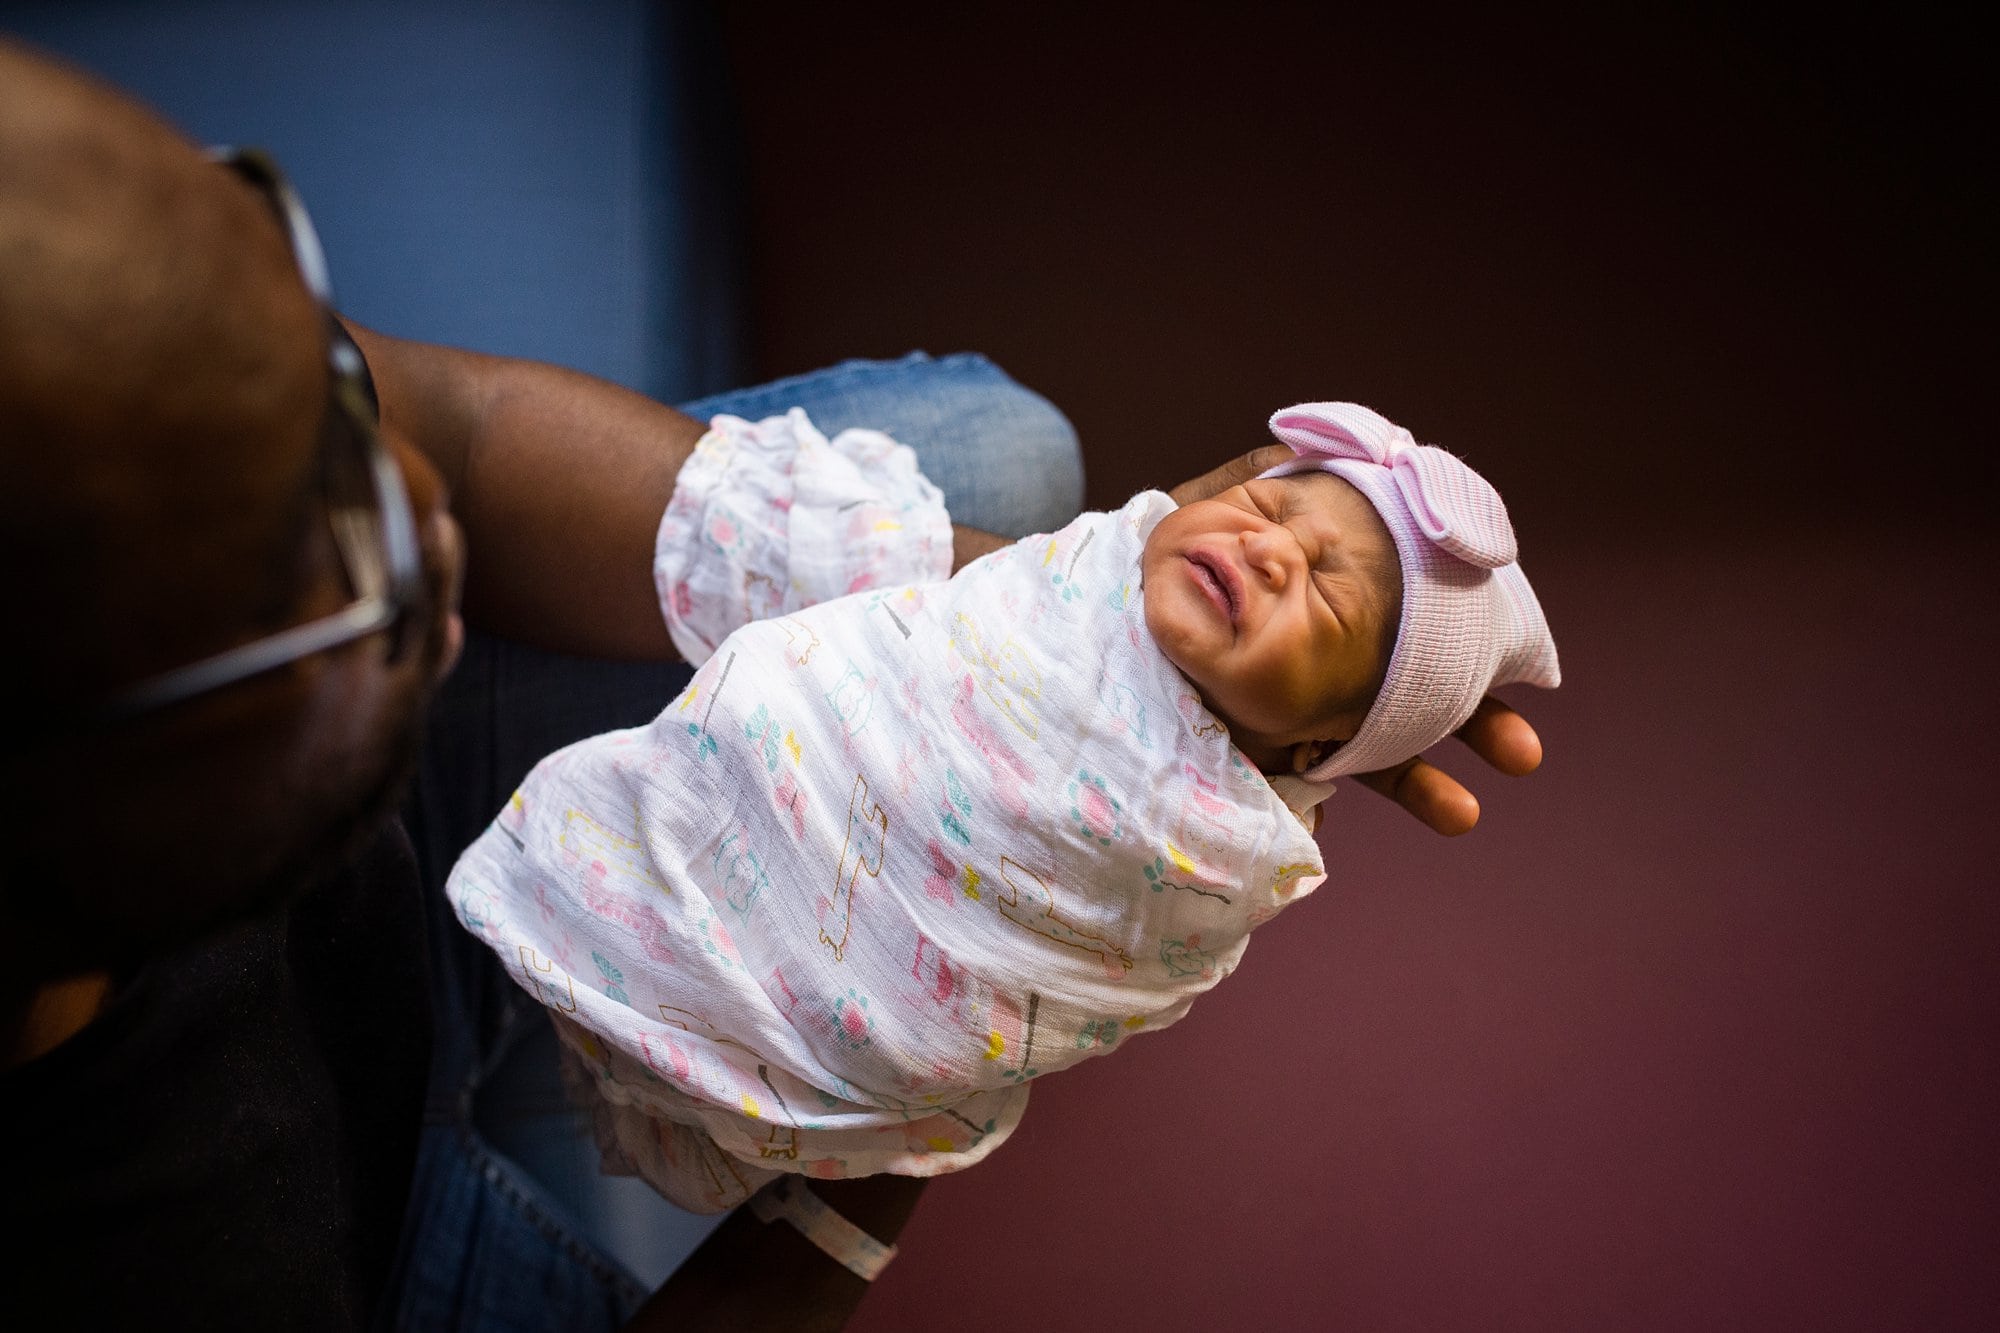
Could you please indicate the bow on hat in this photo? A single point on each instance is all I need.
(1455, 507)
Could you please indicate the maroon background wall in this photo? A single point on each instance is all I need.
(1698, 1029)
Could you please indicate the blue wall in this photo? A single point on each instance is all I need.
(529, 177)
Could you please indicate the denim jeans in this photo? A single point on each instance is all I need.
(511, 1226)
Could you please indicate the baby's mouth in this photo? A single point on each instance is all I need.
(1214, 579)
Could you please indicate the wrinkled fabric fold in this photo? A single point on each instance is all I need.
(771, 516)
(886, 861)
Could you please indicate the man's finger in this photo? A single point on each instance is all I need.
(1494, 732)
(1502, 737)
(1233, 473)
(1438, 800)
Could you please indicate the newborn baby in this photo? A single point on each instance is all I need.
(892, 856)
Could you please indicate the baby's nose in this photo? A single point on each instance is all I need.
(1271, 550)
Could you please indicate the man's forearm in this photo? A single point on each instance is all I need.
(559, 480)
(968, 544)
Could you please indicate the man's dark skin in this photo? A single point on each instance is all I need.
(163, 375)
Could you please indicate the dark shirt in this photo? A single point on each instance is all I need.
(230, 1145)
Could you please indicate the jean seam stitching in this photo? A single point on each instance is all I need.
(489, 1166)
(859, 369)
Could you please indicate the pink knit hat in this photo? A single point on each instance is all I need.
(1470, 620)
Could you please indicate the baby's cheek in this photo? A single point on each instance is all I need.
(1170, 634)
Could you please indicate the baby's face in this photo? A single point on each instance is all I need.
(1276, 598)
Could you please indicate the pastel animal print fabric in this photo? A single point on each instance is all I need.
(886, 861)
(770, 516)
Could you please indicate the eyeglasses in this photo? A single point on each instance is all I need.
(373, 525)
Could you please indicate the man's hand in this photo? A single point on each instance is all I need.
(1494, 732)
(1233, 473)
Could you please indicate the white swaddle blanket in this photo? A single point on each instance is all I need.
(771, 516)
(886, 860)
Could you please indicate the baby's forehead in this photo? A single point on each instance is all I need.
(1314, 489)
(1371, 545)
(1315, 486)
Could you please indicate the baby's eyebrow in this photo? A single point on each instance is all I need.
(1293, 488)
(1299, 482)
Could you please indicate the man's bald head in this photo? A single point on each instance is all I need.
(163, 383)
(161, 389)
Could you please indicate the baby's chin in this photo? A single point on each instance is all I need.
(1270, 760)
(1267, 756)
